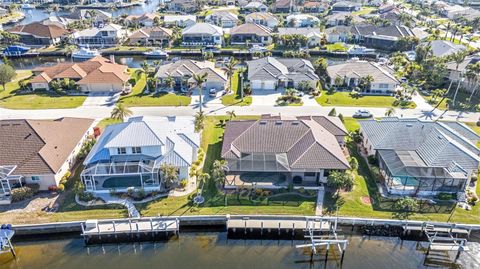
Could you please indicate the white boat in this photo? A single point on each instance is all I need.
(360, 50)
(156, 53)
(27, 6)
(85, 53)
(411, 55)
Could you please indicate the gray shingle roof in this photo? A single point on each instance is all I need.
(251, 28)
(360, 69)
(269, 68)
(202, 28)
(306, 31)
(305, 142)
(390, 31)
(441, 48)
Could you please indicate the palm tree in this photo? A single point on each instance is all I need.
(458, 58)
(199, 80)
(390, 112)
(230, 66)
(231, 114)
(219, 168)
(169, 82)
(120, 112)
(473, 74)
(199, 121)
(145, 67)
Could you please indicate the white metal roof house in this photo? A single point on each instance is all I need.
(302, 20)
(271, 73)
(108, 36)
(202, 34)
(422, 158)
(224, 19)
(180, 20)
(130, 154)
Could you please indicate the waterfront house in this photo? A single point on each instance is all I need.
(302, 20)
(262, 18)
(444, 48)
(254, 6)
(154, 36)
(37, 34)
(202, 34)
(179, 20)
(457, 73)
(274, 151)
(381, 37)
(338, 34)
(59, 21)
(130, 154)
(182, 6)
(146, 20)
(346, 6)
(422, 158)
(351, 74)
(182, 71)
(95, 75)
(109, 35)
(224, 19)
(314, 7)
(97, 16)
(39, 151)
(313, 35)
(271, 73)
(250, 33)
(284, 6)
(342, 18)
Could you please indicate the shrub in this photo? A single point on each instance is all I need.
(372, 160)
(375, 171)
(61, 187)
(472, 200)
(53, 188)
(63, 182)
(25, 192)
(446, 196)
(332, 113)
(183, 183)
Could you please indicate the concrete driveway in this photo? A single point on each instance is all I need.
(101, 99)
(207, 100)
(265, 98)
(309, 100)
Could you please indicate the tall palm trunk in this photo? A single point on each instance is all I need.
(200, 97)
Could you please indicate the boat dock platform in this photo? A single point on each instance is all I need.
(101, 231)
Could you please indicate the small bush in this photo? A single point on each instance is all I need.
(61, 187)
(472, 200)
(372, 160)
(27, 191)
(183, 183)
(446, 196)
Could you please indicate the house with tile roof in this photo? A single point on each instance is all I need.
(262, 18)
(38, 35)
(315, 7)
(276, 151)
(381, 37)
(97, 16)
(182, 71)
(179, 20)
(109, 35)
(284, 6)
(271, 73)
(39, 151)
(422, 158)
(313, 35)
(182, 6)
(131, 154)
(95, 75)
(146, 19)
(351, 74)
(224, 19)
(302, 20)
(253, 6)
(444, 48)
(346, 6)
(151, 36)
(202, 34)
(250, 33)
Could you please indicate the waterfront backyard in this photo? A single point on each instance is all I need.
(363, 201)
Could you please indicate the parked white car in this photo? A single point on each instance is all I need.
(362, 114)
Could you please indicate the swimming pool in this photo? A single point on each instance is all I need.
(405, 181)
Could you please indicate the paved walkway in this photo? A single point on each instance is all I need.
(319, 206)
(132, 210)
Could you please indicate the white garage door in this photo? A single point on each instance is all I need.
(256, 85)
(269, 85)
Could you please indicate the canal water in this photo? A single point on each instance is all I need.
(33, 15)
(213, 250)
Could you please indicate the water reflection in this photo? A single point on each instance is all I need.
(214, 250)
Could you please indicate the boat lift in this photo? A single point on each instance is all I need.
(321, 235)
(6, 241)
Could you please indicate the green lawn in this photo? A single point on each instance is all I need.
(364, 11)
(344, 99)
(234, 99)
(354, 203)
(107, 121)
(336, 47)
(127, 48)
(211, 142)
(9, 17)
(9, 98)
(138, 98)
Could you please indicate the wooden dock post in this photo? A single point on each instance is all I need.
(261, 229)
(279, 223)
(326, 253)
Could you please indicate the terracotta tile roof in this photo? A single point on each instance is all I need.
(152, 32)
(250, 28)
(95, 70)
(39, 147)
(40, 30)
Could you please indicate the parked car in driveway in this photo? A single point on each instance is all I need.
(212, 93)
(362, 114)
